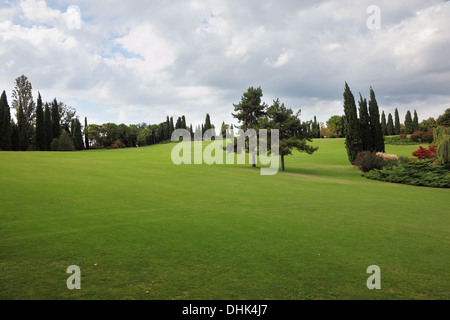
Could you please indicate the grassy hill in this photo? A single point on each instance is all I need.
(140, 227)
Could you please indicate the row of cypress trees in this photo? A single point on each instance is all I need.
(21, 136)
(363, 133)
(390, 128)
(168, 127)
(315, 128)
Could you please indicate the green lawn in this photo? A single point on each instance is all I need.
(134, 222)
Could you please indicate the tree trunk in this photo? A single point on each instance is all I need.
(282, 163)
(253, 161)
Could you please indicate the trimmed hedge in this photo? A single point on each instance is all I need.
(397, 140)
(422, 136)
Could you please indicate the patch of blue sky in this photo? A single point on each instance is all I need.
(119, 49)
(205, 22)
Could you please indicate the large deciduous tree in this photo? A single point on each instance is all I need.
(67, 115)
(444, 119)
(428, 124)
(23, 99)
(335, 126)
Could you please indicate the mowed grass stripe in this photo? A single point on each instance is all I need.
(215, 232)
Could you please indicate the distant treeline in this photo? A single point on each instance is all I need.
(38, 126)
(111, 135)
(54, 126)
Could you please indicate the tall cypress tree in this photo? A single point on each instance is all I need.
(72, 129)
(352, 133)
(364, 124)
(415, 122)
(183, 122)
(56, 121)
(316, 128)
(48, 131)
(15, 138)
(178, 123)
(2, 111)
(383, 124)
(375, 125)
(397, 122)
(22, 129)
(77, 135)
(5, 124)
(207, 127)
(40, 130)
(86, 137)
(390, 125)
(207, 122)
(409, 126)
(167, 132)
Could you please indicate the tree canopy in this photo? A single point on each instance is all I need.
(293, 134)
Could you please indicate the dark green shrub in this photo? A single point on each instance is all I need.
(421, 136)
(63, 143)
(403, 159)
(418, 173)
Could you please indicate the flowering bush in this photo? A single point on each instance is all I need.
(423, 153)
(388, 157)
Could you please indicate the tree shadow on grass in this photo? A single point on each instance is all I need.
(326, 171)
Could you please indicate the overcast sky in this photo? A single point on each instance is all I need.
(138, 61)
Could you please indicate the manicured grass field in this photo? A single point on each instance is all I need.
(135, 223)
